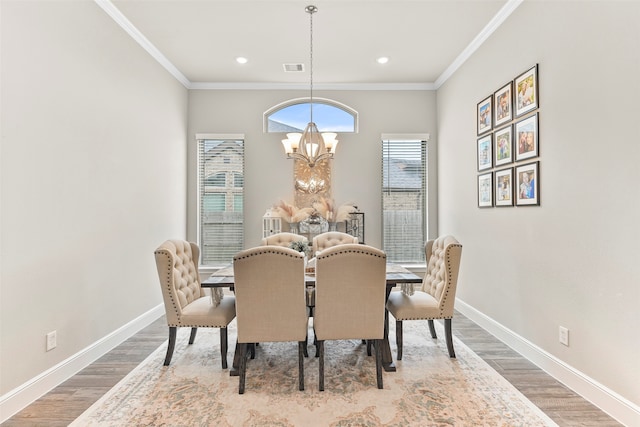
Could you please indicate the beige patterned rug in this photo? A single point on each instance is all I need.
(428, 389)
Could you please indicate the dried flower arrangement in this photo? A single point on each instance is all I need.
(291, 213)
(327, 208)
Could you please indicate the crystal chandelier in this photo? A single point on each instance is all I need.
(310, 146)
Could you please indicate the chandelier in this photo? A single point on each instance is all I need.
(310, 146)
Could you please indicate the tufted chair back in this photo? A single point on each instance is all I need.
(176, 261)
(436, 297)
(283, 239)
(331, 238)
(441, 278)
(185, 301)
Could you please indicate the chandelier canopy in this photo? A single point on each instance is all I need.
(310, 146)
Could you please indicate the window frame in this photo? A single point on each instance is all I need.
(229, 189)
(424, 193)
(326, 101)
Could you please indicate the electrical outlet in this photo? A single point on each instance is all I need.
(563, 336)
(52, 340)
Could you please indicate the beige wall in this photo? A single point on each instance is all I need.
(93, 179)
(268, 172)
(573, 261)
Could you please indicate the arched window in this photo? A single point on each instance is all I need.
(328, 115)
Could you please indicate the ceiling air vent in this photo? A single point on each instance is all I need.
(293, 68)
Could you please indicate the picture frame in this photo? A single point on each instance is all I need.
(527, 184)
(504, 187)
(503, 146)
(485, 190)
(503, 105)
(526, 138)
(485, 152)
(485, 115)
(526, 91)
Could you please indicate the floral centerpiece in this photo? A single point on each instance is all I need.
(301, 246)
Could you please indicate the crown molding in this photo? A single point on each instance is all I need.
(126, 25)
(493, 25)
(305, 86)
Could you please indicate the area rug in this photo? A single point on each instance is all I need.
(428, 388)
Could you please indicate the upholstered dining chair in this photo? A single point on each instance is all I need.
(329, 239)
(350, 295)
(270, 302)
(283, 239)
(186, 303)
(435, 299)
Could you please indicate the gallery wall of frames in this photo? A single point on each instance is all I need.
(508, 144)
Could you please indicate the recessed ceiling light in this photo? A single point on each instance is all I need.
(241, 60)
(383, 60)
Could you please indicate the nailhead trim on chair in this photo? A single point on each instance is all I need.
(357, 251)
(449, 272)
(266, 251)
(169, 267)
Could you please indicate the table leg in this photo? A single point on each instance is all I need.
(387, 357)
(234, 371)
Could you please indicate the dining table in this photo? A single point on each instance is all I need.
(396, 275)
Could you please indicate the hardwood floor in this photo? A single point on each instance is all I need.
(66, 402)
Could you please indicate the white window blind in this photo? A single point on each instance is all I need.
(221, 200)
(404, 218)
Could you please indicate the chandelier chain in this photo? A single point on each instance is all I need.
(311, 10)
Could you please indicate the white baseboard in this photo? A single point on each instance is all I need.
(22, 396)
(607, 400)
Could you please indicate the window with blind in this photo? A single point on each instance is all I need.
(404, 195)
(221, 200)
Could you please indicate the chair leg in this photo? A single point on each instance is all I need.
(224, 345)
(171, 346)
(368, 347)
(243, 367)
(321, 366)
(377, 346)
(315, 342)
(447, 330)
(252, 350)
(305, 351)
(432, 329)
(302, 348)
(399, 338)
(192, 337)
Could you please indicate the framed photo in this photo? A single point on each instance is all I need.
(503, 146)
(485, 190)
(527, 137)
(485, 156)
(526, 91)
(528, 184)
(502, 105)
(504, 187)
(485, 115)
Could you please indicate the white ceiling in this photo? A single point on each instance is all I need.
(198, 40)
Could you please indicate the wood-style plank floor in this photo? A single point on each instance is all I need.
(66, 402)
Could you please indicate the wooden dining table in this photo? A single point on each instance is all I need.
(396, 275)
